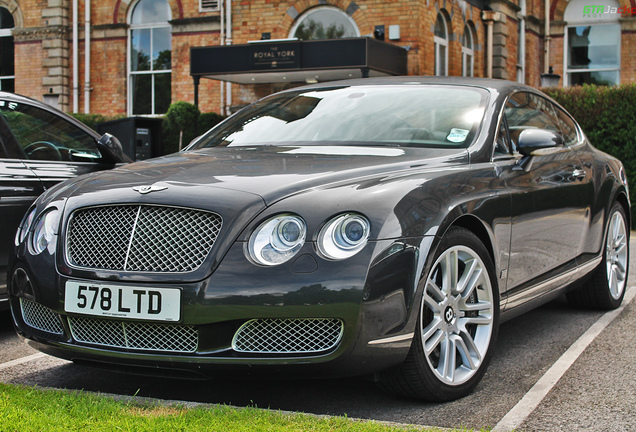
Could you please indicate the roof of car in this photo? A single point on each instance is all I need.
(502, 86)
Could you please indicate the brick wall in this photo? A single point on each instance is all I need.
(44, 58)
(28, 68)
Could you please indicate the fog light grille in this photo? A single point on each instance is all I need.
(40, 317)
(288, 336)
(134, 335)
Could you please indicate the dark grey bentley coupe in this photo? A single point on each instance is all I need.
(372, 227)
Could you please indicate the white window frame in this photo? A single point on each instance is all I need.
(439, 42)
(468, 54)
(8, 32)
(310, 12)
(566, 45)
(572, 20)
(129, 71)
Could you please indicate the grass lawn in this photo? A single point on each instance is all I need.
(32, 409)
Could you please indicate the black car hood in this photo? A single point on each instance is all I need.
(237, 184)
(269, 172)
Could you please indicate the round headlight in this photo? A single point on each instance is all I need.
(44, 231)
(24, 227)
(277, 240)
(343, 236)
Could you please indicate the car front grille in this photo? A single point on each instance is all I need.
(141, 238)
(134, 335)
(288, 336)
(40, 317)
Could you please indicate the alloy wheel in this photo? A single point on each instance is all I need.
(457, 315)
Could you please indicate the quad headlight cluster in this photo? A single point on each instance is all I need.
(280, 237)
(43, 229)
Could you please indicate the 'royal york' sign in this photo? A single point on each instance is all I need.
(275, 56)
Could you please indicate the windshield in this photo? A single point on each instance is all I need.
(400, 115)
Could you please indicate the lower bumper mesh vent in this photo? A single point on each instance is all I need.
(134, 335)
(288, 336)
(40, 317)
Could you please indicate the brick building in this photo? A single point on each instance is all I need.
(132, 57)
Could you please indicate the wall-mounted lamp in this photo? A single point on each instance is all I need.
(550, 79)
(378, 33)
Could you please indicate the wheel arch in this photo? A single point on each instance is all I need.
(623, 200)
(475, 225)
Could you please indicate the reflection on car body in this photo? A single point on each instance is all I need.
(40, 147)
(379, 227)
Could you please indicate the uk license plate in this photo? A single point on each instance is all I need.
(157, 304)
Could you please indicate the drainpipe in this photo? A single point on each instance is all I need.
(489, 17)
(75, 58)
(228, 41)
(87, 57)
(546, 61)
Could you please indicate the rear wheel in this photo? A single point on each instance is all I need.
(457, 324)
(606, 287)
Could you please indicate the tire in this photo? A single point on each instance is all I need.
(457, 324)
(605, 288)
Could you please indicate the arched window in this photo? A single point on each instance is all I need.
(324, 22)
(440, 40)
(592, 43)
(468, 52)
(150, 58)
(7, 65)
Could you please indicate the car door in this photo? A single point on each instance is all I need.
(549, 199)
(19, 187)
(41, 147)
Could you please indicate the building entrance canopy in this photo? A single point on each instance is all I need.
(293, 61)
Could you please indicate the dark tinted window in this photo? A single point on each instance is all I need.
(529, 111)
(568, 128)
(42, 135)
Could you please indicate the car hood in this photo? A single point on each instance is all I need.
(269, 172)
(237, 184)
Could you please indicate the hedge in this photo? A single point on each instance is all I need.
(607, 115)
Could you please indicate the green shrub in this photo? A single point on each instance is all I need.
(607, 115)
(91, 120)
(182, 123)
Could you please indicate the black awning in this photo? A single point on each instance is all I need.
(298, 61)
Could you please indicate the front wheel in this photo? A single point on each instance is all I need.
(457, 324)
(606, 287)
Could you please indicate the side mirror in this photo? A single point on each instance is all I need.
(537, 141)
(112, 148)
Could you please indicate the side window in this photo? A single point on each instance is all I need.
(569, 131)
(529, 111)
(502, 143)
(42, 135)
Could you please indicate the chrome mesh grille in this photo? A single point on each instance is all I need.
(40, 317)
(288, 336)
(134, 335)
(141, 238)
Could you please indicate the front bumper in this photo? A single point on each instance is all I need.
(369, 296)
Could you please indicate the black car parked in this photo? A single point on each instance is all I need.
(39, 147)
(377, 226)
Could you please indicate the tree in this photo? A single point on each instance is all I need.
(182, 116)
